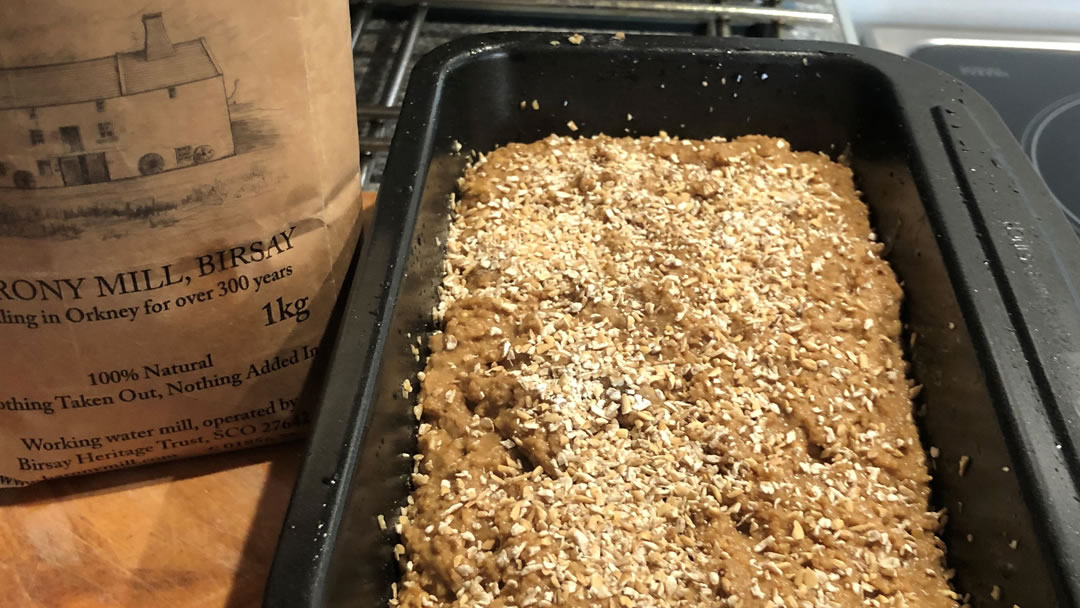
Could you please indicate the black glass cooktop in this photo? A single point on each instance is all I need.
(1037, 92)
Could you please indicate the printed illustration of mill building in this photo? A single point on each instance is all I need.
(127, 115)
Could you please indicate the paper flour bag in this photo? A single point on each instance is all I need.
(178, 200)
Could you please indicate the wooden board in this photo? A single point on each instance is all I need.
(195, 534)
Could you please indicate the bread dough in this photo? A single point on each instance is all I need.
(670, 375)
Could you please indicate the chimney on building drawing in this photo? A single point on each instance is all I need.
(158, 44)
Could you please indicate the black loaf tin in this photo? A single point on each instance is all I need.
(987, 262)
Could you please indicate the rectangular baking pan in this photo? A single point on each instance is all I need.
(987, 262)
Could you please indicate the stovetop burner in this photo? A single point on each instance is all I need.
(1051, 139)
(1036, 89)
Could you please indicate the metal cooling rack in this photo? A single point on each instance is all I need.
(389, 36)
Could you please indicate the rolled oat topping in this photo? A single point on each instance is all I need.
(670, 376)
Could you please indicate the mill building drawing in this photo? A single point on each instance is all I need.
(135, 113)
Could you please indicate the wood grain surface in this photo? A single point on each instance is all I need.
(197, 533)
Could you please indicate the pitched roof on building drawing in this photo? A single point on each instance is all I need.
(113, 76)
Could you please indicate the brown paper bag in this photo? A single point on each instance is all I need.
(178, 199)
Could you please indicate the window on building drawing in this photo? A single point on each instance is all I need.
(44, 167)
(37, 137)
(172, 92)
(105, 129)
(100, 105)
(183, 154)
